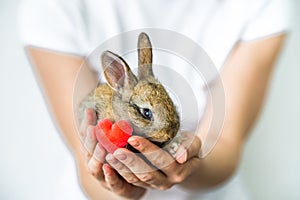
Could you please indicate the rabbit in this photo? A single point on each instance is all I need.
(141, 100)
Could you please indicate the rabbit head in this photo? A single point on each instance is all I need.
(141, 100)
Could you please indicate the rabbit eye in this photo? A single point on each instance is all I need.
(146, 113)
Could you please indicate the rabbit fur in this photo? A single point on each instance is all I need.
(141, 100)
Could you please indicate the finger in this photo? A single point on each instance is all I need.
(189, 148)
(124, 171)
(99, 153)
(90, 140)
(111, 178)
(95, 168)
(157, 156)
(145, 173)
(95, 163)
(119, 186)
(89, 118)
(175, 172)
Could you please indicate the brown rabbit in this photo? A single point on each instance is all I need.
(142, 100)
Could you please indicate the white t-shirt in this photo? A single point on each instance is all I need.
(80, 26)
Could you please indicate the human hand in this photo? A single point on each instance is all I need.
(95, 154)
(164, 171)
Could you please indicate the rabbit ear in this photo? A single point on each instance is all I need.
(117, 72)
(145, 57)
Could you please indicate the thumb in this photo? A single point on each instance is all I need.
(189, 148)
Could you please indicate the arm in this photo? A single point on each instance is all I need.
(244, 69)
(245, 78)
(57, 73)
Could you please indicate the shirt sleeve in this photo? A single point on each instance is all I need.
(50, 24)
(273, 17)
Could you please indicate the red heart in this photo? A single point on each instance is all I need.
(113, 136)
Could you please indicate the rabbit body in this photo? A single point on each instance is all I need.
(142, 100)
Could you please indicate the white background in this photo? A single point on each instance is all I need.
(31, 149)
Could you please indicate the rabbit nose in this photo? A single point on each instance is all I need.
(160, 136)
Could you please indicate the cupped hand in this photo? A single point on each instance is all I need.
(160, 170)
(95, 154)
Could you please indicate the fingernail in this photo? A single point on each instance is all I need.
(120, 155)
(87, 114)
(106, 169)
(111, 159)
(182, 158)
(133, 142)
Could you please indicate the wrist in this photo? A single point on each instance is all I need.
(216, 167)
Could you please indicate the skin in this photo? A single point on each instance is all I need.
(245, 77)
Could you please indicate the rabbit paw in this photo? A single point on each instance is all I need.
(173, 146)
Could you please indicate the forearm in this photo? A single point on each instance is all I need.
(215, 168)
(245, 79)
(57, 75)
